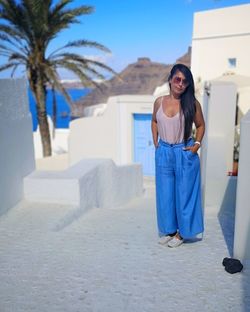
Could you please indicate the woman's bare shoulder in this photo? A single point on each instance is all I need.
(160, 99)
(157, 104)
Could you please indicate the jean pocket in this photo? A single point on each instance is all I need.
(191, 153)
(188, 157)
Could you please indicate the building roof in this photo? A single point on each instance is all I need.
(240, 80)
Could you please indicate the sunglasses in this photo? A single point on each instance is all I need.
(178, 80)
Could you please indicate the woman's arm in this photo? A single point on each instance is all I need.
(200, 128)
(199, 123)
(154, 127)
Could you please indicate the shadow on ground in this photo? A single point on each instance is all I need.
(226, 215)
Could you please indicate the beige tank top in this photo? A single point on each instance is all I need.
(170, 129)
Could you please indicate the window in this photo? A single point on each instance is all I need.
(232, 62)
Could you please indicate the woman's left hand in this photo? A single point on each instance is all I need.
(193, 149)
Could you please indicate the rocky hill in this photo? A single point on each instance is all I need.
(141, 77)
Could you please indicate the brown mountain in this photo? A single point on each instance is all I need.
(141, 77)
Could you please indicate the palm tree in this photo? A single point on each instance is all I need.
(27, 27)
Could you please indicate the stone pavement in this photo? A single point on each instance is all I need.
(53, 259)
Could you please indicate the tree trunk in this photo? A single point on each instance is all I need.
(39, 91)
(45, 134)
(54, 111)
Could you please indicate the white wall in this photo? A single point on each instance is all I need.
(242, 215)
(162, 90)
(217, 146)
(88, 184)
(244, 100)
(210, 57)
(94, 136)
(59, 143)
(218, 35)
(128, 106)
(17, 152)
(111, 134)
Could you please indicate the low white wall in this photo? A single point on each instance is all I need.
(17, 151)
(89, 183)
(242, 214)
(94, 136)
(59, 143)
(109, 135)
(95, 110)
(54, 163)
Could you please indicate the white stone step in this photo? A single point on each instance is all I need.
(87, 184)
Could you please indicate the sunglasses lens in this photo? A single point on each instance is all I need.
(179, 80)
(185, 83)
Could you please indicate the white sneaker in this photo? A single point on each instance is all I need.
(165, 239)
(175, 242)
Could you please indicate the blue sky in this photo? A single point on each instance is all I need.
(159, 29)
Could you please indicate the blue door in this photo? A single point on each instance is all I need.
(144, 150)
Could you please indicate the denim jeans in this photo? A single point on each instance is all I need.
(178, 194)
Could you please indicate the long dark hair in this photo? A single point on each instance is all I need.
(188, 100)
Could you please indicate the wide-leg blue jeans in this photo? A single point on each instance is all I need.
(178, 194)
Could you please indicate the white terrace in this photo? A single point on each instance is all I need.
(55, 256)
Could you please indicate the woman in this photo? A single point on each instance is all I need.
(178, 198)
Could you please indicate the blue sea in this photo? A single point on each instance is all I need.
(63, 109)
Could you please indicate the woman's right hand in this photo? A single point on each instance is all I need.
(156, 144)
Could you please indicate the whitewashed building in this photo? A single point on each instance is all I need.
(221, 50)
(121, 131)
(221, 42)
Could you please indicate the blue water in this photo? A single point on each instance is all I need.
(63, 109)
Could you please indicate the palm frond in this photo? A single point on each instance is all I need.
(7, 65)
(5, 53)
(61, 18)
(15, 43)
(54, 80)
(79, 61)
(5, 37)
(86, 80)
(14, 14)
(14, 70)
(11, 31)
(69, 16)
(100, 65)
(81, 10)
(73, 13)
(81, 44)
(18, 57)
(58, 7)
(4, 47)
